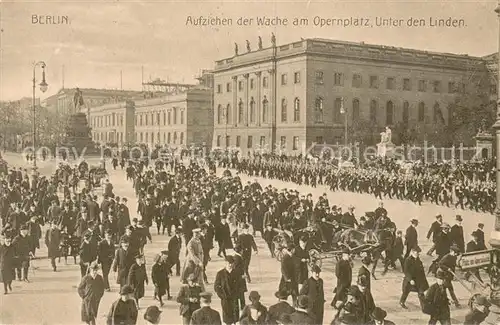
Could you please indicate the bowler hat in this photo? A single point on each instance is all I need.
(253, 295)
(458, 218)
(126, 290)
(280, 294)
(379, 314)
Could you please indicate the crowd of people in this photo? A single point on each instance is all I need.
(196, 208)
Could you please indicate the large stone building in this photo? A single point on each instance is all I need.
(178, 119)
(288, 97)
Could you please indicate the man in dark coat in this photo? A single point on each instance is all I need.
(91, 290)
(433, 231)
(313, 289)
(473, 246)
(281, 307)
(226, 290)
(174, 251)
(7, 272)
(288, 282)
(53, 241)
(378, 317)
(88, 253)
(437, 303)
(411, 237)
(448, 264)
(300, 315)
(22, 245)
(189, 299)
(105, 255)
(457, 234)
(205, 315)
(480, 236)
(414, 278)
(343, 273)
(124, 258)
(223, 236)
(123, 311)
(301, 259)
(247, 244)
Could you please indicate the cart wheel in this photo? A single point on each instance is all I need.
(315, 258)
(473, 299)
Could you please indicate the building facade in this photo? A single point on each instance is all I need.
(288, 97)
(176, 120)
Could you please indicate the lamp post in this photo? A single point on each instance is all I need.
(344, 112)
(495, 236)
(43, 88)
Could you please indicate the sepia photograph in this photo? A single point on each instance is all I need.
(250, 162)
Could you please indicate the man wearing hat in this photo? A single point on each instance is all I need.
(247, 244)
(434, 230)
(300, 315)
(174, 250)
(105, 255)
(189, 299)
(480, 236)
(378, 317)
(227, 290)
(411, 237)
(457, 234)
(414, 277)
(124, 310)
(91, 290)
(280, 308)
(478, 312)
(123, 260)
(343, 273)
(443, 241)
(88, 253)
(436, 302)
(473, 246)
(205, 315)
(194, 258)
(448, 264)
(22, 247)
(255, 303)
(288, 282)
(314, 290)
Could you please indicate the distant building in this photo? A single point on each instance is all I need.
(178, 119)
(290, 96)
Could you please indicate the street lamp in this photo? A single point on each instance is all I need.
(43, 88)
(344, 112)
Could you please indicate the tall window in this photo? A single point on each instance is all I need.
(147, 119)
(265, 82)
(436, 85)
(264, 110)
(182, 137)
(406, 84)
(421, 112)
(296, 77)
(218, 140)
(262, 141)
(249, 142)
(240, 85)
(283, 110)
(295, 143)
(175, 137)
(337, 107)
(296, 110)
(168, 137)
(356, 80)
(452, 87)
(318, 110)
(319, 77)
(373, 111)
(147, 137)
(228, 87)
(175, 117)
(182, 117)
(164, 118)
(252, 110)
(422, 85)
(338, 79)
(355, 109)
(227, 113)
(228, 141)
(219, 89)
(169, 118)
(251, 83)
(240, 111)
(219, 114)
(406, 112)
(389, 113)
(374, 82)
(283, 79)
(158, 118)
(283, 142)
(437, 114)
(390, 83)
(152, 138)
(238, 141)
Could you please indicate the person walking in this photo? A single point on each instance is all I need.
(189, 299)
(226, 288)
(7, 272)
(313, 289)
(205, 315)
(137, 278)
(123, 311)
(91, 290)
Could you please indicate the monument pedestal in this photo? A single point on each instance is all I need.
(484, 145)
(77, 134)
(385, 149)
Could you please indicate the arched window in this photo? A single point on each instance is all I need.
(296, 110)
(240, 111)
(373, 111)
(406, 112)
(283, 110)
(227, 113)
(389, 113)
(264, 110)
(421, 112)
(252, 110)
(337, 107)
(318, 110)
(219, 114)
(355, 109)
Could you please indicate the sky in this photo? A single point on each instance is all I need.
(106, 37)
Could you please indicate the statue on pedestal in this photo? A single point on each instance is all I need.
(248, 46)
(235, 48)
(260, 43)
(273, 40)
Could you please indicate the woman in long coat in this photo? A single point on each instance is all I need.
(159, 276)
(7, 264)
(91, 290)
(137, 276)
